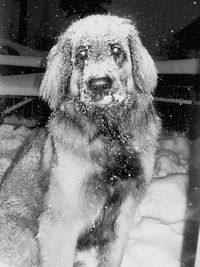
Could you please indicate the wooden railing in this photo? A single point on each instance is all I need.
(28, 84)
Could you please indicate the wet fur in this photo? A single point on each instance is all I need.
(70, 195)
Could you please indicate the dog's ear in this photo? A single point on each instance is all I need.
(144, 70)
(58, 72)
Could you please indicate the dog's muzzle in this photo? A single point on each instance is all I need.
(100, 87)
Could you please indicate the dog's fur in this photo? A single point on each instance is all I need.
(69, 197)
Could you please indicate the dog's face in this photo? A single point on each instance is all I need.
(102, 68)
(98, 61)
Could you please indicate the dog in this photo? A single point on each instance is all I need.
(70, 195)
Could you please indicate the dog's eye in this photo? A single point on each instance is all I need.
(82, 55)
(118, 54)
(116, 50)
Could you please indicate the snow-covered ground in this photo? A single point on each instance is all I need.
(157, 233)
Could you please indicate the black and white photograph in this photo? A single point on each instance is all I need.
(99, 133)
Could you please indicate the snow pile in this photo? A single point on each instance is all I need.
(19, 120)
(172, 156)
(157, 233)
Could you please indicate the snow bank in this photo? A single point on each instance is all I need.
(156, 238)
(18, 120)
(157, 233)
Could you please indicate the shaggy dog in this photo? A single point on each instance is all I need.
(69, 197)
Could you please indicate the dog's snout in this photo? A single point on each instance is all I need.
(100, 84)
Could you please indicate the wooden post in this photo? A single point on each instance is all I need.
(22, 22)
(197, 260)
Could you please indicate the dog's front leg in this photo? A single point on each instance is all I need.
(58, 242)
(17, 244)
(124, 222)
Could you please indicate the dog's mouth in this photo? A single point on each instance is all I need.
(102, 96)
(107, 98)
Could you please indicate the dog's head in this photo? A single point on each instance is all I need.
(100, 61)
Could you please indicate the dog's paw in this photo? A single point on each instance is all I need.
(86, 259)
(29, 251)
(19, 249)
(78, 264)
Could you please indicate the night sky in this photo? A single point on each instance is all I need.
(157, 20)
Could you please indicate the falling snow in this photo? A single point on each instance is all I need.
(157, 22)
(159, 217)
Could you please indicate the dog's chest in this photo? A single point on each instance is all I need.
(119, 160)
(67, 195)
(120, 176)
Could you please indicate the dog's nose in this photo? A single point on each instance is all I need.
(100, 84)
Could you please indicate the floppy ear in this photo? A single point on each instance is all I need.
(144, 70)
(59, 68)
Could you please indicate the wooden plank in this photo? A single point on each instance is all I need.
(23, 50)
(21, 85)
(37, 62)
(177, 101)
(16, 106)
(28, 84)
(180, 66)
(178, 79)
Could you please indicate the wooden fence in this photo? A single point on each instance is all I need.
(178, 88)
